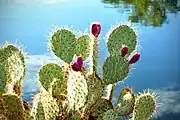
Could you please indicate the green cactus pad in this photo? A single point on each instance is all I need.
(82, 46)
(63, 43)
(95, 90)
(115, 69)
(145, 106)
(110, 115)
(125, 104)
(121, 35)
(101, 106)
(59, 89)
(77, 90)
(48, 73)
(13, 107)
(44, 107)
(2, 79)
(12, 67)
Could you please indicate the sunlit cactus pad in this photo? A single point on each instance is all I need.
(115, 69)
(121, 35)
(12, 66)
(82, 46)
(48, 73)
(145, 106)
(44, 107)
(62, 43)
(77, 90)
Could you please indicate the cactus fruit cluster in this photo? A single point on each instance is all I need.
(74, 91)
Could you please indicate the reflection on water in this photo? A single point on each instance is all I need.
(147, 12)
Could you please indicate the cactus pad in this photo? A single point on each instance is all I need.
(12, 66)
(95, 90)
(121, 35)
(2, 79)
(110, 115)
(13, 107)
(145, 106)
(101, 106)
(48, 73)
(125, 103)
(62, 43)
(58, 89)
(82, 46)
(115, 69)
(77, 90)
(44, 107)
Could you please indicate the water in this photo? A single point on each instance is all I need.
(157, 23)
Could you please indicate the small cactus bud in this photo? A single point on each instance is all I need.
(135, 58)
(96, 29)
(124, 51)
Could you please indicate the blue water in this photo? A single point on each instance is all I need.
(29, 22)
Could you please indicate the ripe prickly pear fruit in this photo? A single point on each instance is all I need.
(135, 58)
(79, 61)
(96, 29)
(76, 66)
(124, 51)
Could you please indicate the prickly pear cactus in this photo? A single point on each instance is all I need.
(115, 69)
(51, 79)
(45, 107)
(12, 107)
(82, 46)
(125, 104)
(145, 106)
(73, 91)
(12, 69)
(62, 43)
(121, 35)
(77, 91)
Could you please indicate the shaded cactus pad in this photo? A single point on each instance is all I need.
(98, 109)
(48, 73)
(82, 46)
(115, 69)
(145, 106)
(63, 43)
(110, 115)
(12, 107)
(121, 35)
(44, 107)
(12, 66)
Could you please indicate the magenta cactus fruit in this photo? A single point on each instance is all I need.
(76, 66)
(135, 58)
(124, 51)
(79, 61)
(96, 29)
